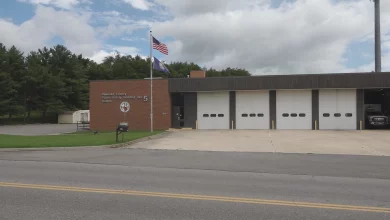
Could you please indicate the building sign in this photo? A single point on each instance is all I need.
(125, 107)
(109, 97)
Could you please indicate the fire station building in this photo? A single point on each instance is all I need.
(316, 101)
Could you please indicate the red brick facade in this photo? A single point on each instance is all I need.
(197, 74)
(106, 97)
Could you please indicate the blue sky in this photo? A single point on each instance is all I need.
(263, 36)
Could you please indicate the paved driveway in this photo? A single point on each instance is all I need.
(38, 129)
(285, 141)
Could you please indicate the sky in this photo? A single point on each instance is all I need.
(266, 37)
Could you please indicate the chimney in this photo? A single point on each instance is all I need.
(197, 74)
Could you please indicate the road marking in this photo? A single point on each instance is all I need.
(200, 197)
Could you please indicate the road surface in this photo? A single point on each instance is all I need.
(150, 184)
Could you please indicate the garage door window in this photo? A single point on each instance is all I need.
(221, 115)
(348, 115)
(260, 115)
(285, 115)
(244, 115)
(302, 115)
(294, 115)
(337, 115)
(252, 115)
(205, 115)
(326, 115)
(213, 115)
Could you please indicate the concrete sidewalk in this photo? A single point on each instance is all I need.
(375, 143)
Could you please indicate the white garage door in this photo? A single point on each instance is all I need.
(337, 109)
(252, 110)
(293, 109)
(213, 110)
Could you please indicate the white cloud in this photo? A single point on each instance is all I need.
(192, 7)
(139, 4)
(99, 56)
(304, 36)
(112, 50)
(134, 39)
(126, 50)
(65, 4)
(47, 23)
(307, 36)
(115, 24)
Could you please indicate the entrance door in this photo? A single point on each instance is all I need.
(177, 110)
(176, 118)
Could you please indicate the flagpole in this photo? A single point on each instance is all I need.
(151, 82)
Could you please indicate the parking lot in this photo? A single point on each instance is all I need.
(365, 142)
(38, 129)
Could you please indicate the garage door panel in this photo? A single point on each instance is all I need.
(337, 109)
(252, 110)
(213, 110)
(347, 109)
(293, 109)
(327, 109)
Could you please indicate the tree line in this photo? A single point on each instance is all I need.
(57, 80)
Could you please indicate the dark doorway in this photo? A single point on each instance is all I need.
(177, 110)
(377, 108)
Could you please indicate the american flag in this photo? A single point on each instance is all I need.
(160, 46)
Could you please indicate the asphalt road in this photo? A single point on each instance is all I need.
(148, 184)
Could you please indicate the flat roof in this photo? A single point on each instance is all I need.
(274, 82)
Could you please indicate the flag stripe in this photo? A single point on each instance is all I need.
(160, 46)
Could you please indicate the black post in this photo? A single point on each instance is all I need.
(378, 53)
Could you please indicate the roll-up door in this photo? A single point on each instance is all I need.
(252, 110)
(337, 109)
(293, 109)
(213, 110)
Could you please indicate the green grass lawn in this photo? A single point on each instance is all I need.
(70, 140)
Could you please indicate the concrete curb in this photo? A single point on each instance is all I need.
(152, 137)
(53, 148)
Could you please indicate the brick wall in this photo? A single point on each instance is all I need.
(197, 74)
(106, 116)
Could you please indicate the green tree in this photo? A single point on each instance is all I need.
(14, 67)
(47, 84)
(227, 72)
(234, 72)
(3, 57)
(180, 69)
(55, 79)
(7, 93)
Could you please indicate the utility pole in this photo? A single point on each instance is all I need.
(378, 53)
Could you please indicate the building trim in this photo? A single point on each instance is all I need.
(232, 109)
(272, 108)
(360, 108)
(278, 82)
(315, 111)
